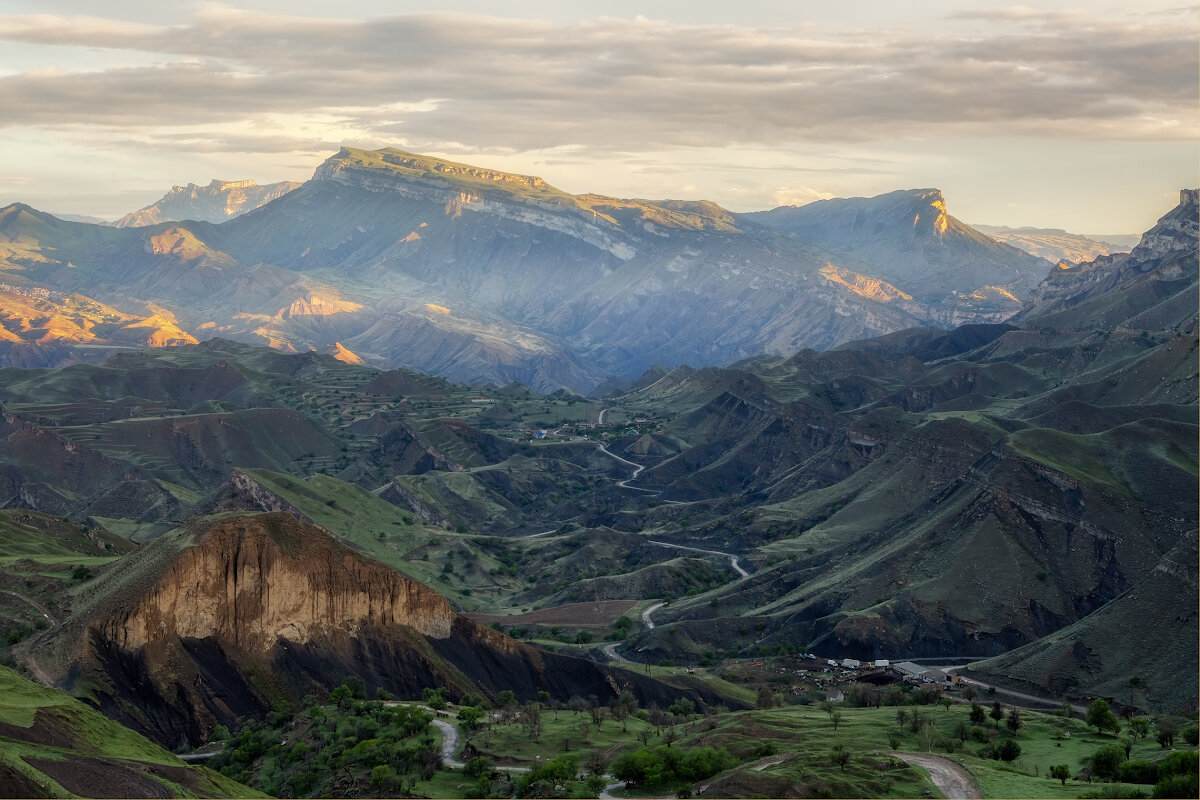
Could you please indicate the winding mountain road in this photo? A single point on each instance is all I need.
(950, 777)
(646, 614)
(637, 470)
(449, 743)
(610, 650)
(733, 560)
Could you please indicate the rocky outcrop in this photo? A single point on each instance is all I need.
(216, 202)
(254, 581)
(219, 620)
(1166, 253)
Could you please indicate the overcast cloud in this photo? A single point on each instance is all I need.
(237, 81)
(502, 83)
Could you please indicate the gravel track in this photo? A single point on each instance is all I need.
(950, 777)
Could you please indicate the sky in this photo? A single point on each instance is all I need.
(1076, 115)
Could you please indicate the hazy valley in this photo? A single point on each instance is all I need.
(625, 483)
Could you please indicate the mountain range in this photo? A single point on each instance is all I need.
(1057, 245)
(473, 274)
(1023, 492)
(648, 434)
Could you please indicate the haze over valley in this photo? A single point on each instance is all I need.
(383, 466)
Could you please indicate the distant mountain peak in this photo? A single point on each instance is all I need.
(402, 163)
(908, 239)
(218, 201)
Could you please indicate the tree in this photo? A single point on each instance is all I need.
(1167, 730)
(901, 716)
(835, 718)
(766, 698)
(839, 755)
(1014, 720)
(470, 717)
(683, 707)
(531, 716)
(1107, 760)
(977, 714)
(620, 713)
(382, 777)
(1100, 715)
(946, 703)
(1134, 683)
(1140, 727)
(595, 763)
(997, 712)
(1060, 772)
(434, 698)
(1008, 750)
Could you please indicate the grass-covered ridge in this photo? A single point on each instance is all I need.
(54, 744)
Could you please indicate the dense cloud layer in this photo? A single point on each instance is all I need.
(245, 81)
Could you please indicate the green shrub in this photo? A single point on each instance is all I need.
(1186, 786)
(1107, 761)
(1138, 772)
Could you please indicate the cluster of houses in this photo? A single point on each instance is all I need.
(579, 431)
(881, 671)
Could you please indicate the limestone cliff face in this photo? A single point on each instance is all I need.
(596, 231)
(254, 581)
(1167, 252)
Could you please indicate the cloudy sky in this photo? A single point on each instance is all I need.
(1081, 115)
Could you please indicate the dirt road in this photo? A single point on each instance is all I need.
(1039, 702)
(610, 650)
(733, 560)
(646, 614)
(449, 743)
(950, 777)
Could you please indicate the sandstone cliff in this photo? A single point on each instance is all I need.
(220, 620)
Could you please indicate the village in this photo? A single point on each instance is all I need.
(827, 679)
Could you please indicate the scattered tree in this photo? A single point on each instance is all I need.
(1167, 730)
(1060, 772)
(839, 755)
(1100, 715)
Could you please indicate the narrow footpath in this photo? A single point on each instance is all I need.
(30, 645)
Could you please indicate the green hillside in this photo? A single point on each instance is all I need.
(52, 745)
